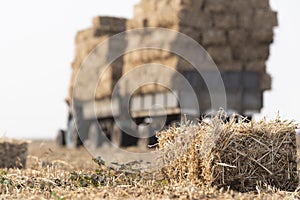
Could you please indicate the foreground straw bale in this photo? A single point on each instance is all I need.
(236, 155)
(13, 153)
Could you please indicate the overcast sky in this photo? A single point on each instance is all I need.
(37, 46)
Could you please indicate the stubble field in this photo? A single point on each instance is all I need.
(53, 172)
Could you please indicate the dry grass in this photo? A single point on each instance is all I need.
(57, 173)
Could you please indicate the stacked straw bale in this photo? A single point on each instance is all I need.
(236, 155)
(13, 153)
(236, 34)
(86, 41)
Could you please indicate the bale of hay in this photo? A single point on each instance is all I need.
(235, 34)
(225, 21)
(108, 79)
(220, 54)
(13, 153)
(147, 74)
(84, 35)
(147, 8)
(236, 155)
(214, 37)
(238, 37)
(265, 19)
(109, 24)
(146, 56)
(230, 66)
(256, 66)
(263, 36)
(251, 52)
(165, 13)
(92, 83)
(265, 82)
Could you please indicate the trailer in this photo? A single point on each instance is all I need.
(96, 120)
(237, 43)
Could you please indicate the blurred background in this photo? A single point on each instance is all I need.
(37, 47)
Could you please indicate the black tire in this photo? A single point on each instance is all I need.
(129, 140)
(79, 126)
(60, 138)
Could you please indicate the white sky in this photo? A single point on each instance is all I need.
(36, 49)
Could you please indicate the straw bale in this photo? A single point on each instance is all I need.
(225, 21)
(186, 3)
(265, 82)
(83, 49)
(238, 37)
(98, 80)
(138, 12)
(110, 24)
(236, 155)
(151, 88)
(214, 37)
(13, 153)
(245, 20)
(216, 6)
(145, 8)
(260, 18)
(84, 35)
(165, 17)
(220, 54)
(146, 56)
(198, 20)
(256, 66)
(148, 74)
(167, 59)
(236, 33)
(91, 67)
(108, 79)
(136, 23)
(150, 5)
(263, 36)
(265, 19)
(263, 4)
(104, 87)
(251, 52)
(189, 31)
(170, 61)
(155, 13)
(232, 66)
(168, 14)
(177, 5)
(241, 6)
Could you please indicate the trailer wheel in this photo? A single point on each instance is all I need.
(117, 136)
(61, 138)
(129, 140)
(72, 138)
(95, 137)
